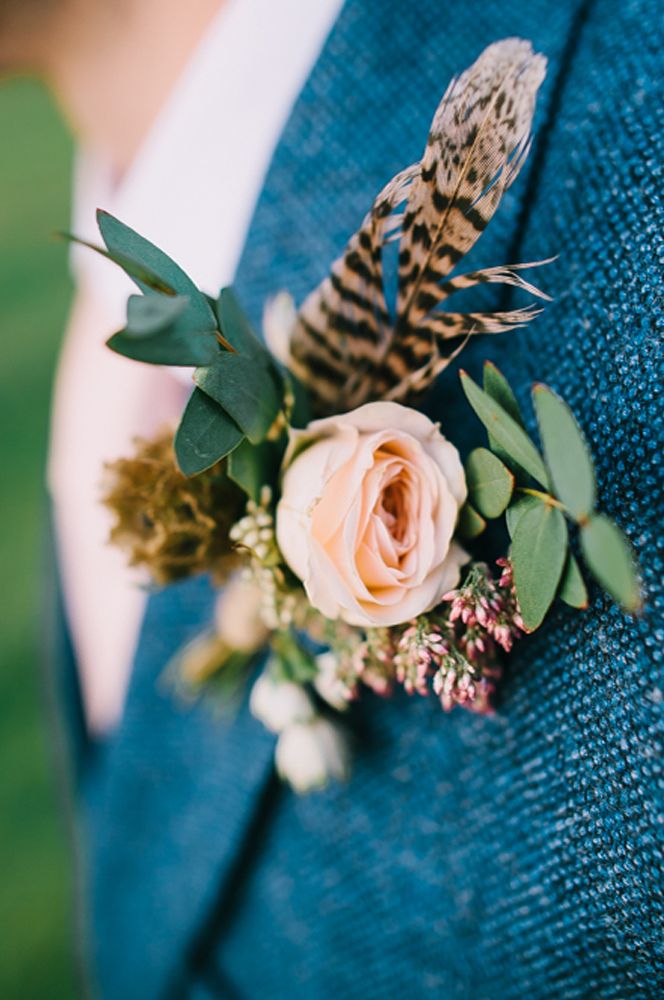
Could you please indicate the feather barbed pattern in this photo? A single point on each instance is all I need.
(347, 345)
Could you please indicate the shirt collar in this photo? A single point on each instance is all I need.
(195, 181)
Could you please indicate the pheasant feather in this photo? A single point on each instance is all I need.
(348, 345)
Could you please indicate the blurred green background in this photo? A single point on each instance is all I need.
(36, 922)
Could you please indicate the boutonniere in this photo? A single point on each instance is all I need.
(340, 520)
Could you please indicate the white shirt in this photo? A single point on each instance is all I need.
(191, 190)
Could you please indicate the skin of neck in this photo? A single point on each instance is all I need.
(111, 64)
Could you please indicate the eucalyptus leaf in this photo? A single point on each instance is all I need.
(566, 453)
(121, 239)
(504, 430)
(205, 435)
(191, 340)
(146, 278)
(148, 314)
(538, 554)
(610, 558)
(517, 509)
(470, 523)
(245, 389)
(253, 466)
(497, 386)
(573, 590)
(490, 483)
(174, 345)
(235, 326)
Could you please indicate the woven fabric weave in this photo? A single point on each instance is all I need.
(518, 856)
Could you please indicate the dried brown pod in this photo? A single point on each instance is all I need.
(173, 526)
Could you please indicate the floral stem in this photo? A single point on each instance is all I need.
(545, 497)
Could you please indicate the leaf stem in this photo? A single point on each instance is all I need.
(226, 344)
(546, 497)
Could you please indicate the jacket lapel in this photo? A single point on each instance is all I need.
(168, 807)
(178, 790)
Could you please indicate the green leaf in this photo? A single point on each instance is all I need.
(205, 435)
(237, 329)
(504, 430)
(497, 386)
(227, 684)
(121, 239)
(245, 389)
(566, 453)
(235, 326)
(191, 340)
(572, 587)
(610, 558)
(490, 483)
(149, 314)
(470, 523)
(516, 510)
(175, 345)
(141, 274)
(253, 466)
(301, 412)
(538, 553)
(289, 661)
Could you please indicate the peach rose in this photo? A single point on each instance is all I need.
(369, 504)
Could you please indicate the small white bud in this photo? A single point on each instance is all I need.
(308, 755)
(279, 318)
(279, 704)
(327, 683)
(251, 539)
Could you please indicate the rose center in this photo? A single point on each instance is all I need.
(392, 508)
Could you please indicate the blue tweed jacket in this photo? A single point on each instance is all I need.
(509, 857)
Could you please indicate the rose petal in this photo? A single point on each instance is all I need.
(372, 569)
(340, 492)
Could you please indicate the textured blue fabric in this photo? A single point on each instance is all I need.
(512, 857)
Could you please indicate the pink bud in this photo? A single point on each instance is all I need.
(482, 617)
